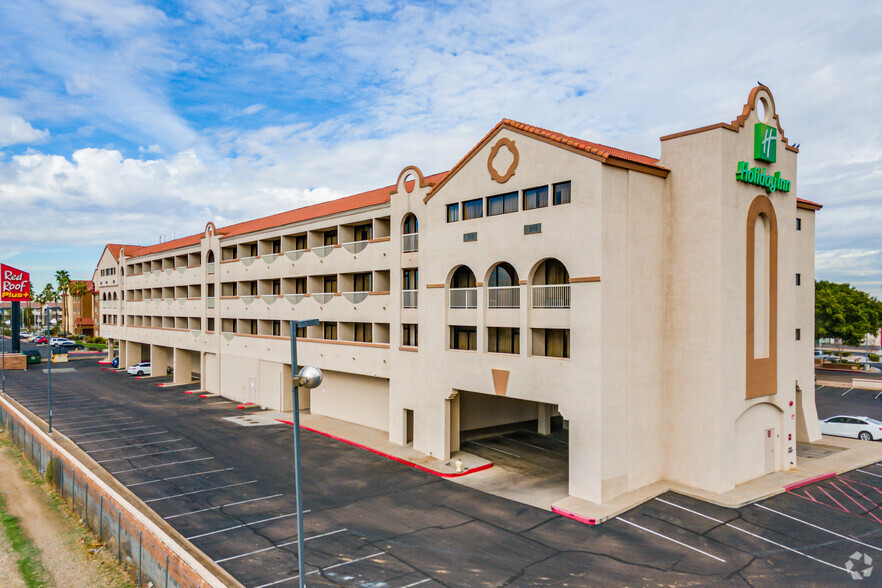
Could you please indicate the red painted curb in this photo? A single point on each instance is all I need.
(574, 516)
(392, 457)
(191, 391)
(246, 405)
(203, 395)
(808, 481)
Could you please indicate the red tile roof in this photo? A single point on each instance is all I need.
(128, 249)
(345, 204)
(800, 203)
(587, 146)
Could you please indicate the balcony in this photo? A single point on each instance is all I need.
(504, 297)
(355, 297)
(551, 296)
(410, 243)
(355, 246)
(409, 298)
(323, 297)
(295, 254)
(209, 268)
(323, 251)
(209, 302)
(463, 298)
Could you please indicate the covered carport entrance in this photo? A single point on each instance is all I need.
(187, 366)
(526, 440)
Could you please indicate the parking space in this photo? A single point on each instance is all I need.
(369, 521)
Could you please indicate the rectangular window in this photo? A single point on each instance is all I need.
(277, 246)
(410, 279)
(210, 326)
(452, 213)
(798, 280)
(330, 284)
(463, 338)
(551, 342)
(798, 224)
(469, 237)
(301, 332)
(330, 237)
(536, 198)
(503, 340)
(363, 332)
(277, 287)
(409, 335)
(473, 209)
(362, 233)
(299, 242)
(330, 331)
(277, 328)
(300, 285)
(798, 334)
(252, 249)
(361, 283)
(502, 204)
(533, 229)
(562, 193)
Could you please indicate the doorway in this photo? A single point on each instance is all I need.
(408, 426)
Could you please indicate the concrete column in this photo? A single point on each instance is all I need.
(182, 367)
(160, 360)
(544, 418)
(110, 349)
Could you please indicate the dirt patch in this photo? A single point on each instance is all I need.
(8, 566)
(63, 543)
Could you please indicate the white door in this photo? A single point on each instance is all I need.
(770, 450)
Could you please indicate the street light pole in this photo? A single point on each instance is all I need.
(49, 370)
(297, 381)
(3, 350)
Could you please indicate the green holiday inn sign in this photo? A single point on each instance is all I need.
(765, 143)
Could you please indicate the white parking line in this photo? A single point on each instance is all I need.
(135, 445)
(123, 437)
(178, 477)
(161, 465)
(345, 563)
(69, 421)
(671, 539)
(183, 514)
(869, 473)
(847, 391)
(200, 491)
(530, 445)
(731, 526)
(116, 431)
(418, 583)
(852, 539)
(492, 448)
(146, 455)
(279, 546)
(224, 530)
(128, 421)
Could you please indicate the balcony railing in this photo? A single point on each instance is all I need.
(355, 246)
(355, 297)
(503, 297)
(210, 268)
(323, 251)
(209, 302)
(551, 296)
(294, 254)
(410, 243)
(409, 298)
(463, 298)
(323, 297)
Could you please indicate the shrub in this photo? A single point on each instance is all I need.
(873, 357)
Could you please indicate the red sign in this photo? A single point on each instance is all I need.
(16, 284)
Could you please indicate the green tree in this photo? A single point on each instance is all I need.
(62, 278)
(845, 313)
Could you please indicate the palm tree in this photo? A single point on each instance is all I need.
(77, 290)
(47, 296)
(62, 278)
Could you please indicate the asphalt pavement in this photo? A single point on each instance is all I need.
(374, 522)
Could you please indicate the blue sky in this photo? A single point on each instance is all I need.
(121, 121)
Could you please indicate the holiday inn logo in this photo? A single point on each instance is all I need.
(765, 142)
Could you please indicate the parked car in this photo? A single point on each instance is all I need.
(141, 369)
(33, 356)
(65, 346)
(24, 335)
(56, 340)
(861, 427)
(115, 362)
(41, 340)
(821, 355)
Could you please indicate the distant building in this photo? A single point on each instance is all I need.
(80, 308)
(660, 310)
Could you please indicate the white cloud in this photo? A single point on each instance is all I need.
(15, 130)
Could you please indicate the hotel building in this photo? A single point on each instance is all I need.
(660, 309)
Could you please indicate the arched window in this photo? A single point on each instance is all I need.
(463, 277)
(550, 285)
(410, 225)
(502, 287)
(463, 288)
(551, 272)
(503, 275)
(762, 299)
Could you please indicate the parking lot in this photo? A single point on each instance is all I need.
(373, 522)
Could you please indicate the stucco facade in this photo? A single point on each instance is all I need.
(649, 306)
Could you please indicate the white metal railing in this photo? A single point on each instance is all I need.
(551, 296)
(355, 297)
(410, 242)
(503, 297)
(210, 267)
(409, 298)
(323, 251)
(209, 302)
(323, 297)
(355, 246)
(463, 298)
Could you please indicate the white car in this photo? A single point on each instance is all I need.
(862, 427)
(141, 369)
(57, 340)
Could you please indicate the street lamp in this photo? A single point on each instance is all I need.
(3, 351)
(309, 377)
(49, 370)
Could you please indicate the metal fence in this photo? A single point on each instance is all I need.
(129, 540)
